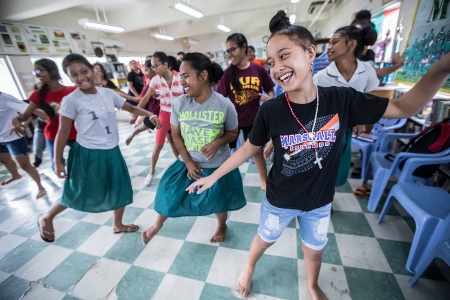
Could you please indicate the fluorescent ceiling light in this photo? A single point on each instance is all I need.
(163, 36)
(102, 26)
(223, 28)
(292, 18)
(295, 1)
(187, 9)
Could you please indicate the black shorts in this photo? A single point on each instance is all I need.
(245, 131)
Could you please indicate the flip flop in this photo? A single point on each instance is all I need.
(45, 232)
(360, 192)
(130, 228)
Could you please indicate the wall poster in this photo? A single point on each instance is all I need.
(38, 39)
(428, 41)
(13, 38)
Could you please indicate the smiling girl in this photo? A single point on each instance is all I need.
(203, 123)
(244, 82)
(97, 177)
(307, 125)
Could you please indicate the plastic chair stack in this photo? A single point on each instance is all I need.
(382, 127)
(428, 205)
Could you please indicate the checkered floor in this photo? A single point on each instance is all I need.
(362, 260)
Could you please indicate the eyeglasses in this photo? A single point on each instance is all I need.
(231, 50)
(38, 71)
(153, 67)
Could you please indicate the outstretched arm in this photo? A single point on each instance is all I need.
(422, 93)
(235, 160)
(397, 61)
(137, 111)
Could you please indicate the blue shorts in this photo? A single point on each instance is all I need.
(16, 148)
(313, 224)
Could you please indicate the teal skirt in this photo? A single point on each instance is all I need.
(98, 180)
(346, 157)
(172, 200)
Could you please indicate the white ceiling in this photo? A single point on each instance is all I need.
(145, 16)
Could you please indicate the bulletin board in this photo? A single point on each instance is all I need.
(428, 41)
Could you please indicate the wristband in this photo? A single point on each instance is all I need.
(152, 117)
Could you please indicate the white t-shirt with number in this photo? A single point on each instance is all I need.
(94, 116)
(10, 108)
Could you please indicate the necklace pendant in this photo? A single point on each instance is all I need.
(317, 162)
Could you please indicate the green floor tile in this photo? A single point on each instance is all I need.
(396, 253)
(345, 188)
(78, 263)
(239, 235)
(212, 291)
(138, 283)
(253, 194)
(13, 288)
(130, 215)
(27, 229)
(127, 248)
(193, 261)
(143, 153)
(372, 285)
(69, 297)
(5, 214)
(2, 234)
(144, 162)
(351, 223)
(20, 255)
(276, 276)
(177, 228)
(252, 169)
(76, 235)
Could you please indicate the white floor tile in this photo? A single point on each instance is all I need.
(42, 292)
(392, 228)
(346, 202)
(248, 214)
(251, 179)
(43, 263)
(143, 199)
(423, 289)
(98, 218)
(227, 267)
(176, 287)
(202, 231)
(286, 245)
(3, 276)
(100, 279)
(135, 170)
(159, 254)
(362, 252)
(9, 242)
(99, 242)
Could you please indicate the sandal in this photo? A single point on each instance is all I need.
(360, 192)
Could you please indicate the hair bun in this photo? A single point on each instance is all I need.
(279, 22)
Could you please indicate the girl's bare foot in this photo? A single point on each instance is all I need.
(317, 293)
(125, 228)
(219, 235)
(138, 129)
(149, 234)
(42, 192)
(245, 280)
(5, 182)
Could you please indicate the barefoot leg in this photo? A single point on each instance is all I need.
(257, 249)
(5, 158)
(221, 230)
(138, 129)
(25, 164)
(153, 230)
(313, 261)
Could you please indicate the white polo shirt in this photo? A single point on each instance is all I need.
(10, 108)
(364, 79)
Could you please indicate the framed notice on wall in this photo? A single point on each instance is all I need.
(38, 39)
(60, 40)
(80, 43)
(428, 41)
(13, 39)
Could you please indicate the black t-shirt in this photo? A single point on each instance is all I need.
(294, 180)
(138, 82)
(369, 56)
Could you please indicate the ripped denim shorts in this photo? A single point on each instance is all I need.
(313, 224)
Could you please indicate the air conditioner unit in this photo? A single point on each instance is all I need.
(315, 6)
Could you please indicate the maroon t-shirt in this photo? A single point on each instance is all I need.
(254, 80)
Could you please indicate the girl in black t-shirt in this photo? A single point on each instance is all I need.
(307, 125)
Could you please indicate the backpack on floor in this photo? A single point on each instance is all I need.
(433, 139)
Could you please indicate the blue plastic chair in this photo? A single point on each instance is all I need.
(428, 205)
(442, 251)
(379, 129)
(384, 168)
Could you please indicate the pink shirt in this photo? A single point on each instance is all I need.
(167, 94)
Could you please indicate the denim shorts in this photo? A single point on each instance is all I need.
(313, 224)
(16, 148)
